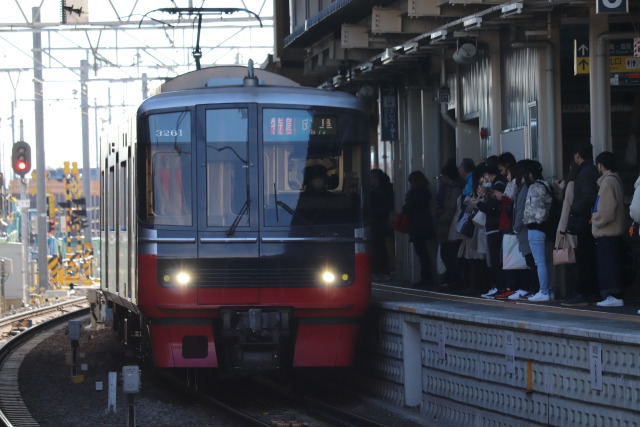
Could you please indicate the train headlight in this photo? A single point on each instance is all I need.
(328, 278)
(183, 278)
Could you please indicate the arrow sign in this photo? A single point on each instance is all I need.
(583, 50)
(584, 65)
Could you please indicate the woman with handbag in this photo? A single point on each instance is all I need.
(417, 206)
(566, 186)
(565, 244)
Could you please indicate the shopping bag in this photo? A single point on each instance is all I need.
(479, 219)
(465, 225)
(401, 223)
(563, 254)
(441, 268)
(512, 258)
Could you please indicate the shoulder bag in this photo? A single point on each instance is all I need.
(563, 254)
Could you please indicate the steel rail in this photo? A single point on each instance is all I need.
(13, 412)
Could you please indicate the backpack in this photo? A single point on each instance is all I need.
(550, 226)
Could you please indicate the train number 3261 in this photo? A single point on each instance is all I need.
(169, 132)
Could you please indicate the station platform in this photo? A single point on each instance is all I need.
(462, 360)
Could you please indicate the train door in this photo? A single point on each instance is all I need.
(228, 207)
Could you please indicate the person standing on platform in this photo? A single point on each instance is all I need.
(608, 227)
(417, 206)
(536, 212)
(530, 282)
(634, 208)
(381, 209)
(512, 278)
(585, 190)
(494, 182)
(564, 190)
(452, 186)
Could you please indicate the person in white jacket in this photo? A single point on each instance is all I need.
(634, 208)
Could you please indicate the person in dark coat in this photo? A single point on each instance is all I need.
(381, 208)
(585, 191)
(494, 182)
(417, 206)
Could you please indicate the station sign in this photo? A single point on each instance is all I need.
(624, 66)
(389, 113)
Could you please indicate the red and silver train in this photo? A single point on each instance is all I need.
(233, 221)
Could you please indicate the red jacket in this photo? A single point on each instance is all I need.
(505, 214)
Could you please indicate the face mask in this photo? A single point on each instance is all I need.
(486, 184)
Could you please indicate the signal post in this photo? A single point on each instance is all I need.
(21, 164)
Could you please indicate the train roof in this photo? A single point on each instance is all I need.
(229, 84)
(223, 75)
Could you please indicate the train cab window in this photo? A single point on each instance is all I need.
(167, 174)
(312, 167)
(227, 139)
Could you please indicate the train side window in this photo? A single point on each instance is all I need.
(123, 196)
(110, 200)
(167, 175)
(227, 139)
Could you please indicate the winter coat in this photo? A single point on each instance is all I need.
(537, 206)
(491, 206)
(519, 228)
(585, 189)
(417, 206)
(446, 213)
(570, 240)
(506, 211)
(608, 218)
(634, 209)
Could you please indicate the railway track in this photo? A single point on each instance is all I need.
(259, 401)
(18, 340)
(15, 324)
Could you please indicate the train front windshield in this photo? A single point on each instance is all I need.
(312, 167)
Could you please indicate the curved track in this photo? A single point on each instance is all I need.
(13, 412)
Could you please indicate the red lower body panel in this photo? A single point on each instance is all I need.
(325, 345)
(172, 350)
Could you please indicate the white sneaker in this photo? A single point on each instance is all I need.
(611, 301)
(539, 297)
(520, 293)
(490, 294)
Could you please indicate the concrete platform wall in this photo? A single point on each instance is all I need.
(492, 369)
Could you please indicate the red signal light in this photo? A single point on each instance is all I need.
(21, 158)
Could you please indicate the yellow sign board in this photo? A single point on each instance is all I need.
(621, 59)
(581, 65)
(617, 65)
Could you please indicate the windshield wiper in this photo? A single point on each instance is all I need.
(236, 221)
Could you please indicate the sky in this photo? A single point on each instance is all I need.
(115, 86)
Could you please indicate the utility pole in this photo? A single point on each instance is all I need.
(41, 192)
(86, 166)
